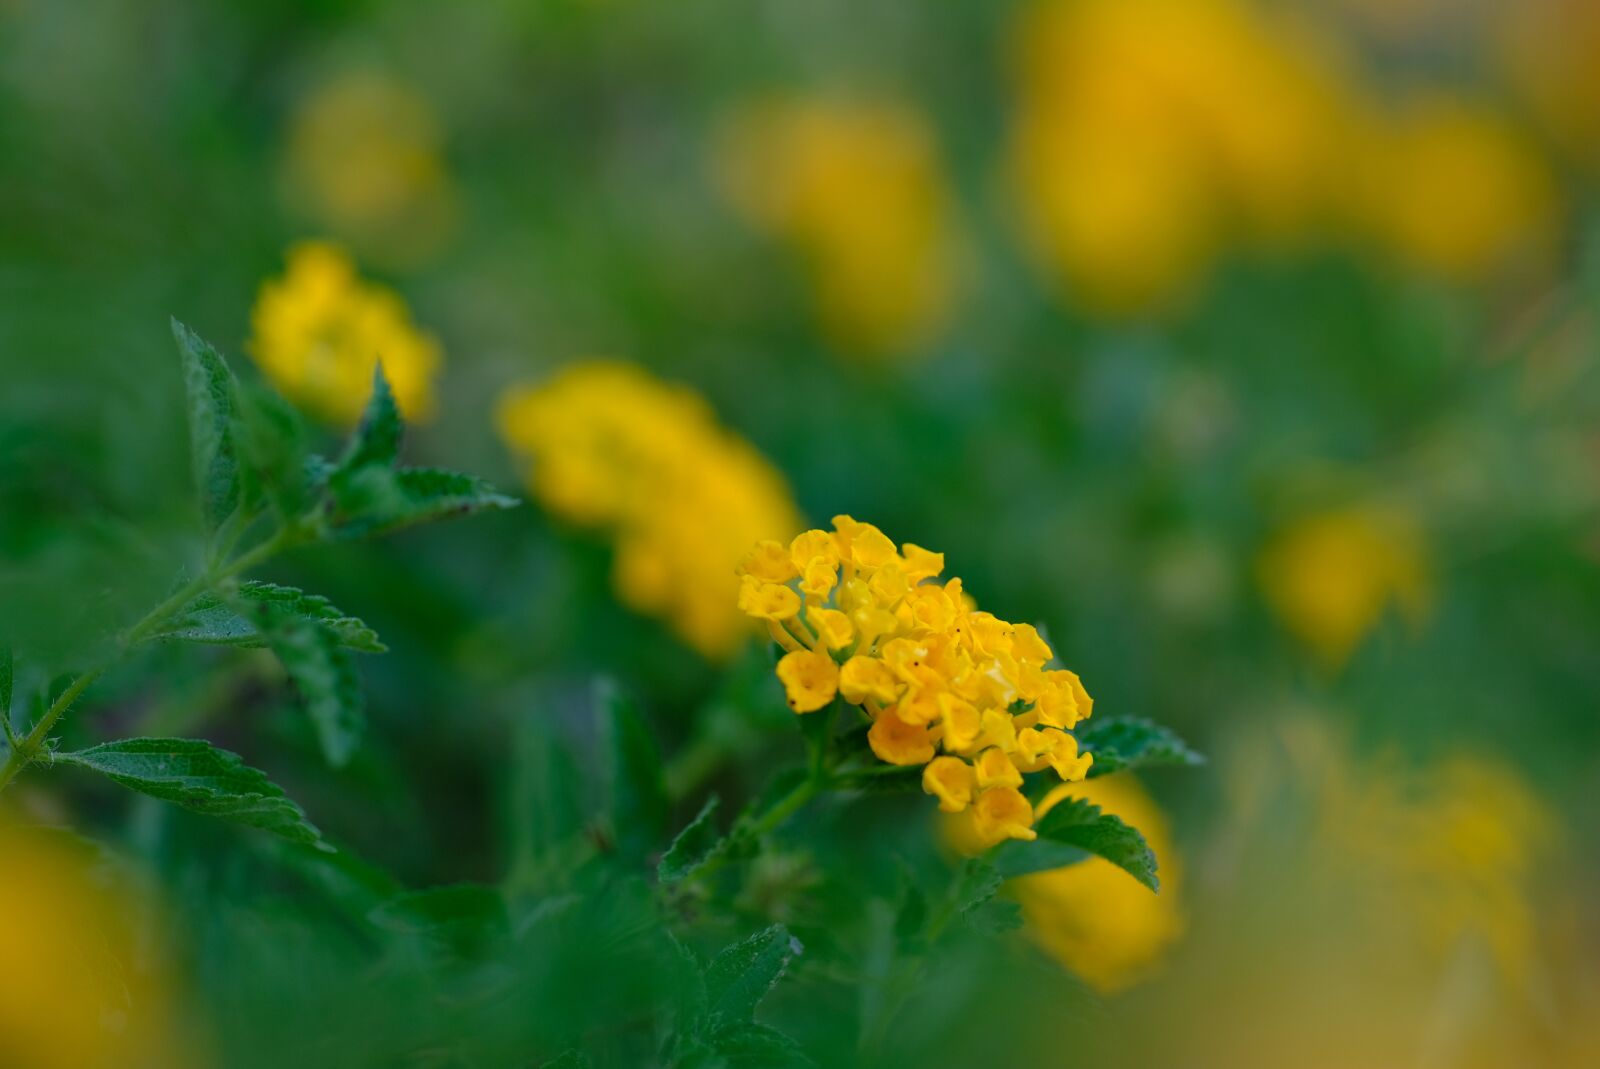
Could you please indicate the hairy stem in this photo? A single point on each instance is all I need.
(26, 750)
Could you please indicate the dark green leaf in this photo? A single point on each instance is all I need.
(272, 451)
(463, 918)
(196, 775)
(1129, 742)
(376, 441)
(210, 386)
(740, 976)
(320, 668)
(696, 844)
(638, 790)
(568, 1059)
(544, 798)
(7, 679)
(911, 915)
(756, 1045)
(978, 883)
(210, 619)
(1073, 830)
(375, 500)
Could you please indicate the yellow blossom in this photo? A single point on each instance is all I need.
(1094, 918)
(900, 742)
(858, 192)
(810, 678)
(1548, 50)
(832, 626)
(365, 160)
(1452, 188)
(81, 985)
(319, 331)
(1330, 576)
(1453, 843)
(608, 446)
(864, 678)
(767, 601)
(963, 692)
(1002, 813)
(993, 768)
(1149, 132)
(951, 780)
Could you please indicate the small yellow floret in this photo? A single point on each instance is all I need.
(767, 601)
(951, 779)
(898, 742)
(864, 678)
(832, 627)
(1002, 813)
(810, 678)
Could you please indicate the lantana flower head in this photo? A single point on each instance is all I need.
(609, 446)
(969, 696)
(318, 332)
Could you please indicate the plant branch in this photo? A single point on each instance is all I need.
(26, 750)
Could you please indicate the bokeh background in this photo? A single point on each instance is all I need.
(1249, 347)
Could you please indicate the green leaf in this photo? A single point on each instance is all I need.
(376, 441)
(638, 798)
(464, 918)
(752, 1045)
(211, 620)
(375, 500)
(568, 1059)
(272, 451)
(1130, 742)
(320, 668)
(977, 883)
(1073, 830)
(911, 915)
(7, 680)
(695, 845)
(210, 386)
(740, 976)
(196, 775)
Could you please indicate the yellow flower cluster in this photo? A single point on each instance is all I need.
(1148, 130)
(1149, 135)
(857, 189)
(364, 158)
(1455, 190)
(1454, 844)
(1330, 576)
(610, 446)
(961, 692)
(82, 984)
(319, 331)
(1547, 48)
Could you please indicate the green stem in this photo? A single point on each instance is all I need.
(29, 748)
(26, 750)
(786, 807)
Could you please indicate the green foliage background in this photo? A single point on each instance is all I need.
(1113, 481)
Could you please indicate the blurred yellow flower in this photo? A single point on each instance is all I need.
(319, 331)
(364, 160)
(858, 191)
(1457, 840)
(609, 446)
(1452, 188)
(1548, 49)
(81, 986)
(962, 692)
(1094, 918)
(1330, 576)
(1148, 131)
